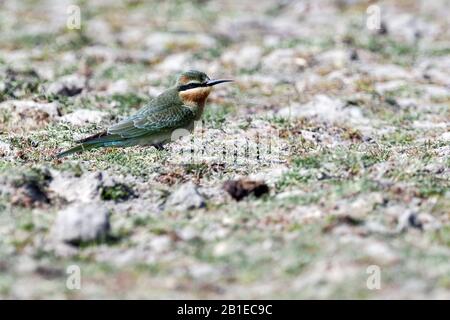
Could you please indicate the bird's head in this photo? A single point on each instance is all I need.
(195, 86)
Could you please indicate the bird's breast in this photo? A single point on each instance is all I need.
(196, 99)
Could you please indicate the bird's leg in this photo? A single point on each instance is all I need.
(158, 146)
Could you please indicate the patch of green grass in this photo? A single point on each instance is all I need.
(348, 188)
(125, 103)
(73, 40)
(5, 115)
(308, 162)
(393, 50)
(129, 71)
(197, 169)
(30, 41)
(404, 91)
(41, 145)
(66, 69)
(399, 137)
(443, 51)
(375, 155)
(6, 166)
(319, 42)
(307, 198)
(118, 192)
(299, 173)
(27, 225)
(37, 175)
(442, 236)
(306, 169)
(212, 53)
(425, 184)
(405, 118)
(75, 168)
(19, 84)
(139, 162)
(65, 40)
(292, 178)
(63, 100)
(348, 160)
(215, 115)
(432, 186)
(250, 261)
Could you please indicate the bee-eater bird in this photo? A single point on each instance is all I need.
(176, 108)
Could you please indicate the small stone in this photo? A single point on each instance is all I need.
(389, 86)
(408, 220)
(202, 271)
(27, 108)
(119, 87)
(239, 189)
(354, 56)
(380, 252)
(19, 82)
(161, 243)
(67, 86)
(327, 109)
(83, 116)
(428, 222)
(386, 72)
(270, 175)
(165, 41)
(29, 195)
(100, 30)
(283, 61)
(173, 62)
(82, 223)
(222, 249)
(444, 137)
(81, 189)
(26, 264)
(408, 28)
(436, 92)
(336, 58)
(247, 58)
(185, 198)
(5, 149)
(406, 103)
(27, 189)
(437, 76)
(26, 114)
(188, 233)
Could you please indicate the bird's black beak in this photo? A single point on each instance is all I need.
(214, 82)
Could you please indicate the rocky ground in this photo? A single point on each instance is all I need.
(325, 162)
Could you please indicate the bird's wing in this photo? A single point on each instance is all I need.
(162, 114)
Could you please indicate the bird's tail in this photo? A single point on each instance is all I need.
(98, 140)
(78, 148)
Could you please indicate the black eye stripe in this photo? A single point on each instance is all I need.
(191, 86)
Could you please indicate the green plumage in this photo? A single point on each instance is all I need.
(151, 125)
(155, 122)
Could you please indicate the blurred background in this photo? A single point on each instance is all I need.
(358, 92)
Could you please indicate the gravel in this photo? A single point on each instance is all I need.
(186, 197)
(80, 223)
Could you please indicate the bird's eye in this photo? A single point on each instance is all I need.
(190, 85)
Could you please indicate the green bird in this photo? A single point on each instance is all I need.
(176, 108)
